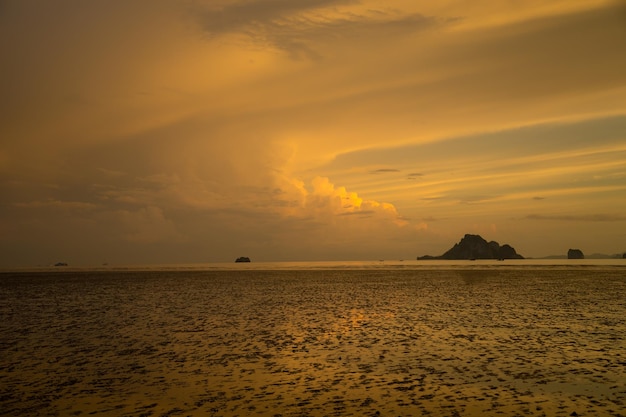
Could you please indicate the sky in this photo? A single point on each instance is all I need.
(184, 131)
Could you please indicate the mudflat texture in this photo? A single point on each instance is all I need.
(458, 342)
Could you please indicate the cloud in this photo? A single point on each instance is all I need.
(299, 27)
(544, 160)
(146, 225)
(238, 15)
(332, 218)
(472, 199)
(384, 171)
(324, 200)
(200, 121)
(580, 217)
(57, 204)
(363, 213)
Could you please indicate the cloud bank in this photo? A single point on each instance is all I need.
(180, 131)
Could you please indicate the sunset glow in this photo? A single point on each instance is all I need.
(175, 131)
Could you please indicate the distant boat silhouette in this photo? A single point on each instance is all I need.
(242, 259)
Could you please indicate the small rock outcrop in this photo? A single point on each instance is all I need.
(475, 247)
(242, 259)
(575, 254)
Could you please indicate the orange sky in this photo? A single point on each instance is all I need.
(163, 131)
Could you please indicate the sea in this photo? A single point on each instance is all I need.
(377, 338)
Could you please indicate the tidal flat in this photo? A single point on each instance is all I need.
(474, 341)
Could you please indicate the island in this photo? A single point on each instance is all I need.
(575, 254)
(242, 259)
(475, 247)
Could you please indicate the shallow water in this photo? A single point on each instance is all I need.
(438, 341)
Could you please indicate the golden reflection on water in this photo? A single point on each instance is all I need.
(290, 343)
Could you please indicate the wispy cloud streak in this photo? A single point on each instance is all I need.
(298, 27)
(579, 218)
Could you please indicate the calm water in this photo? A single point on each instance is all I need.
(379, 338)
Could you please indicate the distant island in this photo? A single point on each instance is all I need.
(475, 247)
(242, 259)
(575, 254)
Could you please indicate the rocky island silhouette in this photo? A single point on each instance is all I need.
(475, 247)
(575, 254)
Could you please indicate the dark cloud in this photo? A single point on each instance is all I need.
(246, 16)
(361, 213)
(580, 217)
(384, 171)
(296, 37)
(470, 199)
(295, 26)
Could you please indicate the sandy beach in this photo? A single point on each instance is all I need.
(446, 342)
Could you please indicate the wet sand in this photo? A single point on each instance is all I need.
(457, 342)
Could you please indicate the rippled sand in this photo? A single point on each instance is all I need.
(476, 341)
